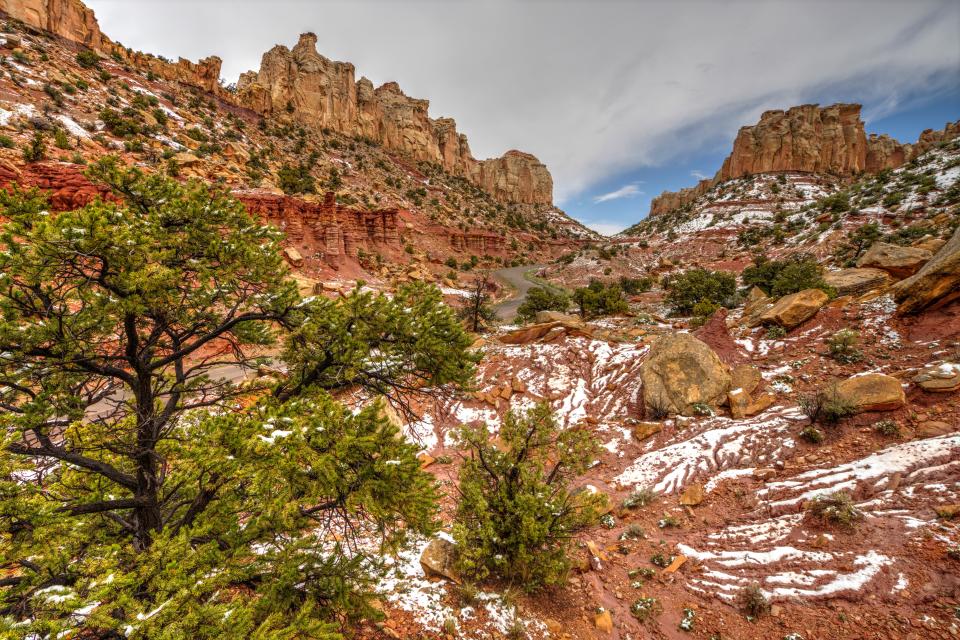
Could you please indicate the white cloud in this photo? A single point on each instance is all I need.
(699, 175)
(626, 191)
(594, 89)
(606, 228)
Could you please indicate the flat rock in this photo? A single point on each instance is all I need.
(439, 559)
(644, 430)
(792, 310)
(937, 282)
(856, 282)
(939, 378)
(872, 392)
(693, 495)
(899, 262)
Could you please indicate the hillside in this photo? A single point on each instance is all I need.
(389, 166)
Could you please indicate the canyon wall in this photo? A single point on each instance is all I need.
(809, 139)
(305, 86)
(69, 19)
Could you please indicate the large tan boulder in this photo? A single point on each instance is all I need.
(439, 558)
(681, 371)
(545, 331)
(557, 316)
(899, 262)
(792, 310)
(756, 305)
(937, 282)
(855, 282)
(872, 392)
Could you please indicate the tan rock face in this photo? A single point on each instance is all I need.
(937, 282)
(854, 282)
(792, 310)
(69, 19)
(942, 377)
(304, 85)
(681, 371)
(900, 262)
(439, 559)
(812, 139)
(872, 392)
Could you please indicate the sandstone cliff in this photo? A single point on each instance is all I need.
(305, 86)
(808, 139)
(69, 19)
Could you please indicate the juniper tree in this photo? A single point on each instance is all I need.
(517, 515)
(141, 491)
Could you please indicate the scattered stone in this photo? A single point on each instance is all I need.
(792, 310)
(746, 377)
(948, 511)
(644, 430)
(603, 621)
(680, 372)
(764, 474)
(693, 495)
(743, 406)
(899, 262)
(676, 564)
(933, 428)
(293, 256)
(872, 392)
(557, 316)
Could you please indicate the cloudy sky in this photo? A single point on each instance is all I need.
(620, 99)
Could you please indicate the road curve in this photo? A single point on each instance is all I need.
(516, 279)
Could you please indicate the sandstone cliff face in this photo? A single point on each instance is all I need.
(311, 89)
(69, 19)
(808, 139)
(516, 177)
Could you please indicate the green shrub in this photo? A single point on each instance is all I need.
(783, 277)
(516, 514)
(599, 299)
(6, 142)
(36, 149)
(843, 346)
(542, 299)
(119, 124)
(812, 435)
(644, 608)
(889, 428)
(640, 498)
(835, 508)
(60, 139)
(775, 332)
(88, 59)
(686, 289)
(294, 179)
(633, 286)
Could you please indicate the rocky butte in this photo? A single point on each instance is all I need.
(305, 86)
(810, 139)
(302, 84)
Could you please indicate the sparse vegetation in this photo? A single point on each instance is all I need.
(599, 299)
(825, 406)
(843, 346)
(835, 508)
(889, 428)
(699, 286)
(753, 602)
(783, 277)
(542, 299)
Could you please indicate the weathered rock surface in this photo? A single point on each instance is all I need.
(439, 558)
(872, 392)
(855, 282)
(792, 310)
(546, 332)
(681, 371)
(69, 19)
(899, 262)
(643, 430)
(302, 84)
(937, 282)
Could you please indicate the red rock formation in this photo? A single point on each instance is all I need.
(66, 185)
(476, 242)
(332, 231)
(808, 138)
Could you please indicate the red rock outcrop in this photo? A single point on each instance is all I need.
(808, 138)
(325, 229)
(301, 84)
(65, 184)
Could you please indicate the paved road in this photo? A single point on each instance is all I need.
(516, 279)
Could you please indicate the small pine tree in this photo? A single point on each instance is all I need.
(541, 299)
(516, 513)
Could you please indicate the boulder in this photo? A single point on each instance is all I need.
(937, 282)
(439, 558)
(545, 331)
(293, 256)
(933, 428)
(930, 244)
(603, 621)
(899, 262)
(746, 377)
(872, 392)
(693, 495)
(855, 282)
(756, 305)
(792, 310)
(644, 430)
(939, 378)
(681, 371)
(743, 405)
